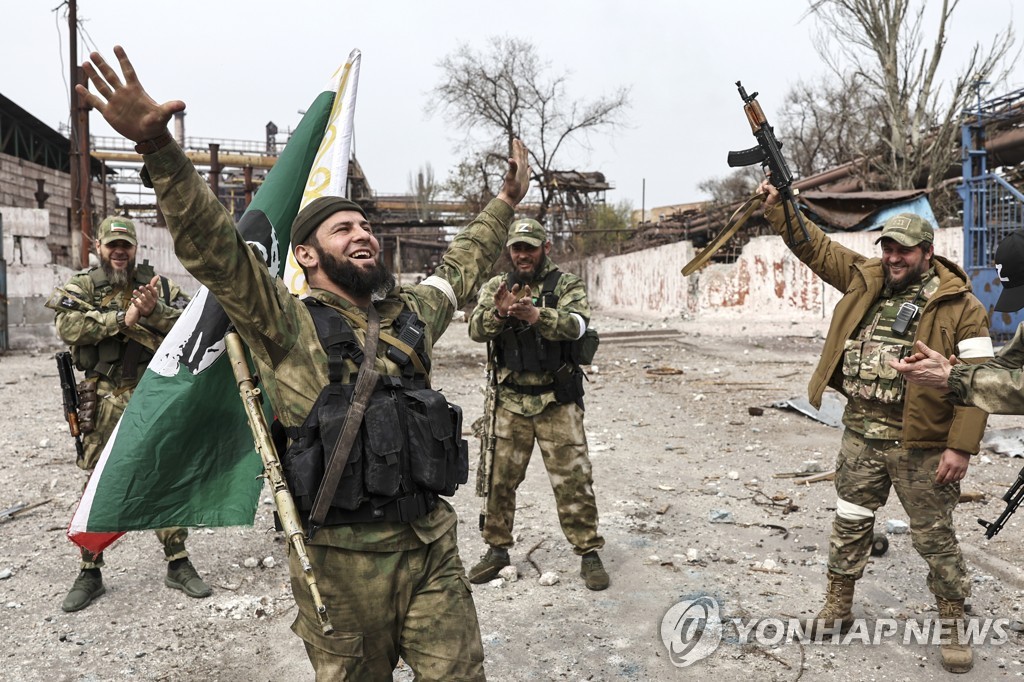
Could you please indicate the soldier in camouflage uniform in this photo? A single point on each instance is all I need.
(392, 587)
(996, 386)
(896, 435)
(539, 398)
(113, 316)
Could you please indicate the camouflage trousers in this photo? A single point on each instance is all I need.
(558, 430)
(865, 471)
(109, 408)
(416, 604)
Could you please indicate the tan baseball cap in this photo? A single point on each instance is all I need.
(117, 227)
(908, 229)
(527, 231)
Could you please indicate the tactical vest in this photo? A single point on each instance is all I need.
(409, 448)
(866, 371)
(520, 348)
(116, 357)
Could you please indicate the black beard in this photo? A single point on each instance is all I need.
(895, 286)
(356, 280)
(118, 278)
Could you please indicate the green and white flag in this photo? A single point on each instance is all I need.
(182, 453)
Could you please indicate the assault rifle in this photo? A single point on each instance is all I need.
(488, 438)
(287, 513)
(1013, 498)
(69, 390)
(768, 153)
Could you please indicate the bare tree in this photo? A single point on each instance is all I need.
(507, 92)
(880, 44)
(424, 190)
(827, 123)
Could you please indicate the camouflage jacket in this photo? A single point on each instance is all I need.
(278, 328)
(83, 327)
(567, 322)
(996, 386)
(953, 321)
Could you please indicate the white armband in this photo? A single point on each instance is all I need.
(978, 347)
(443, 286)
(583, 323)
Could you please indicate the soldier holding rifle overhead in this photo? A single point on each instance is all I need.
(896, 435)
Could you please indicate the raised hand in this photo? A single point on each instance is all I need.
(143, 302)
(126, 106)
(517, 179)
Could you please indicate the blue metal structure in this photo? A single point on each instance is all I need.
(992, 208)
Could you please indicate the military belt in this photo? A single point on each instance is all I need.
(403, 509)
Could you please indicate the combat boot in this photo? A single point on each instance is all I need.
(490, 565)
(592, 570)
(837, 610)
(181, 575)
(957, 657)
(88, 585)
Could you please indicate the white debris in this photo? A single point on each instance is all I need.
(5, 574)
(896, 527)
(768, 564)
(45, 443)
(269, 562)
(692, 556)
(548, 579)
(811, 466)
(244, 607)
(251, 562)
(733, 475)
(509, 573)
(697, 398)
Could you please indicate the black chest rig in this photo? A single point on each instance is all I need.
(409, 448)
(521, 348)
(117, 357)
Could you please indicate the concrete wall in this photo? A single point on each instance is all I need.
(32, 273)
(767, 282)
(18, 187)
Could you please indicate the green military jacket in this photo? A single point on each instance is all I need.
(567, 322)
(99, 328)
(278, 328)
(953, 321)
(996, 386)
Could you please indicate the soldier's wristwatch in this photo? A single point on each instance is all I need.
(120, 320)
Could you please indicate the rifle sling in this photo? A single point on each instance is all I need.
(738, 219)
(366, 380)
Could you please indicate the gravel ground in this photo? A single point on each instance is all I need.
(674, 443)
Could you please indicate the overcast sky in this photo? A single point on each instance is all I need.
(238, 65)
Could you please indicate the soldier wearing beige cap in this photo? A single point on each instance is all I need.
(896, 435)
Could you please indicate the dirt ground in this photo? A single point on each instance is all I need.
(674, 443)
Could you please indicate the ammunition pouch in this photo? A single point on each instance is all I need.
(87, 400)
(523, 349)
(388, 463)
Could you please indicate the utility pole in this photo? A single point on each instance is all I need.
(81, 189)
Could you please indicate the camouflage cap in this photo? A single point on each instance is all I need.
(908, 229)
(117, 227)
(1010, 266)
(527, 231)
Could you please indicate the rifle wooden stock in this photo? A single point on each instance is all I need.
(287, 513)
